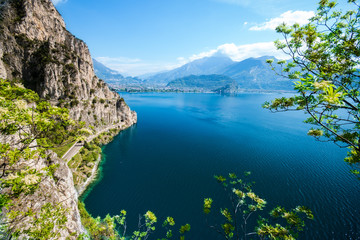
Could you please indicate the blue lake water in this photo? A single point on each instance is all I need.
(166, 164)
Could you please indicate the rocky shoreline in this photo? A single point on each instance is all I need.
(94, 173)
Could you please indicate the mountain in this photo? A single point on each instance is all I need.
(251, 73)
(37, 48)
(204, 66)
(38, 52)
(210, 83)
(255, 73)
(114, 78)
(104, 72)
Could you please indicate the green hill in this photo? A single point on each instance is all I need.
(203, 83)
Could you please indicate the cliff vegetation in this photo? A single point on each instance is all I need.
(36, 185)
(50, 100)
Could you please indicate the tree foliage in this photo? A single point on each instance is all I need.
(28, 127)
(116, 228)
(325, 56)
(244, 205)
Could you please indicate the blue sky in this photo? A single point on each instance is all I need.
(142, 36)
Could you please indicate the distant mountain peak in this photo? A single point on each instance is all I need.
(204, 66)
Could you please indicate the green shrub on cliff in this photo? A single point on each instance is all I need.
(28, 127)
(97, 228)
(115, 227)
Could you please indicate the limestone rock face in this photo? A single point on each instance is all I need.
(36, 47)
(58, 191)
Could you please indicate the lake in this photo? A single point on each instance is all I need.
(166, 164)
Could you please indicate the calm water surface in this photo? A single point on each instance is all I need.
(167, 161)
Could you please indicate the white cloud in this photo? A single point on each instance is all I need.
(241, 52)
(182, 60)
(289, 17)
(56, 2)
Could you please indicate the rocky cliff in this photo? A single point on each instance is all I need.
(36, 49)
(58, 191)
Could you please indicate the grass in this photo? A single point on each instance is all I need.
(83, 162)
(75, 161)
(79, 178)
(78, 175)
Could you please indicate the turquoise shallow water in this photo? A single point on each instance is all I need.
(167, 161)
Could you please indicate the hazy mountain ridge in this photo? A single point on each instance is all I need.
(104, 72)
(111, 76)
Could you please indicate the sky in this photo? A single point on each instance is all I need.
(137, 37)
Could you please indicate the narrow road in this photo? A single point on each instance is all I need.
(74, 149)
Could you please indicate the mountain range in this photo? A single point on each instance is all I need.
(204, 66)
(251, 73)
(255, 73)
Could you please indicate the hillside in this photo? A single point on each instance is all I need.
(210, 83)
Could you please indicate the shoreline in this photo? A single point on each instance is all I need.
(94, 173)
(82, 189)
